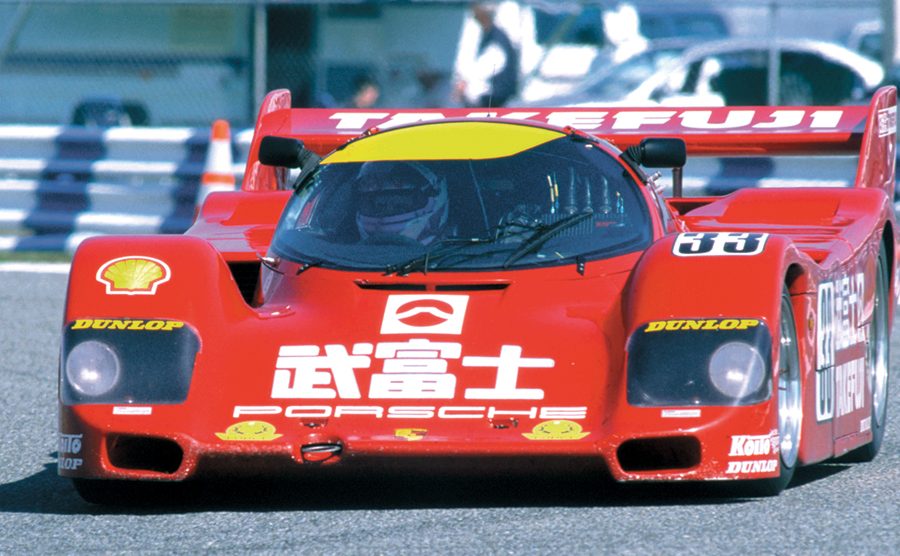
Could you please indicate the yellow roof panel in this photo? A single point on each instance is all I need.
(445, 141)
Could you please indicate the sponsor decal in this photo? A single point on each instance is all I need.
(743, 445)
(413, 411)
(132, 410)
(411, 434)
(412, 369)
(701, 324)
(134, 275)
(126, 324)
(840, 376)
(887, 121)
(714, 244)
(69, 445)
(252, 431)
(424, 314)
(556, 430)
(850, 387)
(603, 120)
(865, 425)
(752, 466)
(680, 413)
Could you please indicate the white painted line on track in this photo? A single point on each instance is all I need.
(39, 268)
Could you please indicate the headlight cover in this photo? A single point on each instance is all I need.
(92, 368)
(711, 361)
(127, 361)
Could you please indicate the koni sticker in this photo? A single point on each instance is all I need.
(69, 445)
(253, 431)
(714, 244)
(556, 430)
(743, 445)
(134, 275)
(701, 324)
(887, 121)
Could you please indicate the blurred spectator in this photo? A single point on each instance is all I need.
(492, 77)
(365, 92)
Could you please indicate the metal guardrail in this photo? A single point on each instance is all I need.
(59, 185)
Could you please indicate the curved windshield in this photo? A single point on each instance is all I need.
(560, 202)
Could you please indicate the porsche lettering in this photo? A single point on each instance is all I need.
(413, 412)
(701, 324)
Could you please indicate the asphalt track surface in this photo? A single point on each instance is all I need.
(829, 508)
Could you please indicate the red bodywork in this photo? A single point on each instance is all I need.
(540, 355)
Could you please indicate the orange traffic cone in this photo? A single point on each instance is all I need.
(217, 171)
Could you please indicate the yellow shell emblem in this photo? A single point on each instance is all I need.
(556, 430)
(249, 431)
(133, 275)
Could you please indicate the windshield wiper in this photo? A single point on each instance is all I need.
(437, 252)
(543, 234)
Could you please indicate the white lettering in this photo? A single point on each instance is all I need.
(70, 464)
(757, 445)
(699, 119)
(783, 118)
(753, 466)
(507, 364)
(585, 121)
(850, 379)
(356, 120)
(70, 443)
(636, 119)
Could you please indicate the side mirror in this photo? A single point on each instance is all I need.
(282, 151)
(660, 152)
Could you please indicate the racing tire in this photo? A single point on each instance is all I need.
(789, 397)
(877, 365)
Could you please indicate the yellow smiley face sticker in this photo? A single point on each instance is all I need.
(556, 430)
(249, 431)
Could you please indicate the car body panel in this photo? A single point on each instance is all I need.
(301, 363)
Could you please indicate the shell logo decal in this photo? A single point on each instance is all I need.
(253, 431)
(556, 430)
(134, 275)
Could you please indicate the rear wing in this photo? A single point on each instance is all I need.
(867, 131)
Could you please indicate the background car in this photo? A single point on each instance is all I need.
(732, 72)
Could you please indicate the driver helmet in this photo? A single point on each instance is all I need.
(401, 198)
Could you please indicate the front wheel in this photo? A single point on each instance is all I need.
(789, 398)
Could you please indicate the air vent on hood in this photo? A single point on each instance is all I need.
(472, 287)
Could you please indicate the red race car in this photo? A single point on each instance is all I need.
(457, 286)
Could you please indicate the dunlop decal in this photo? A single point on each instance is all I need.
(701, 324)
(127, 324)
